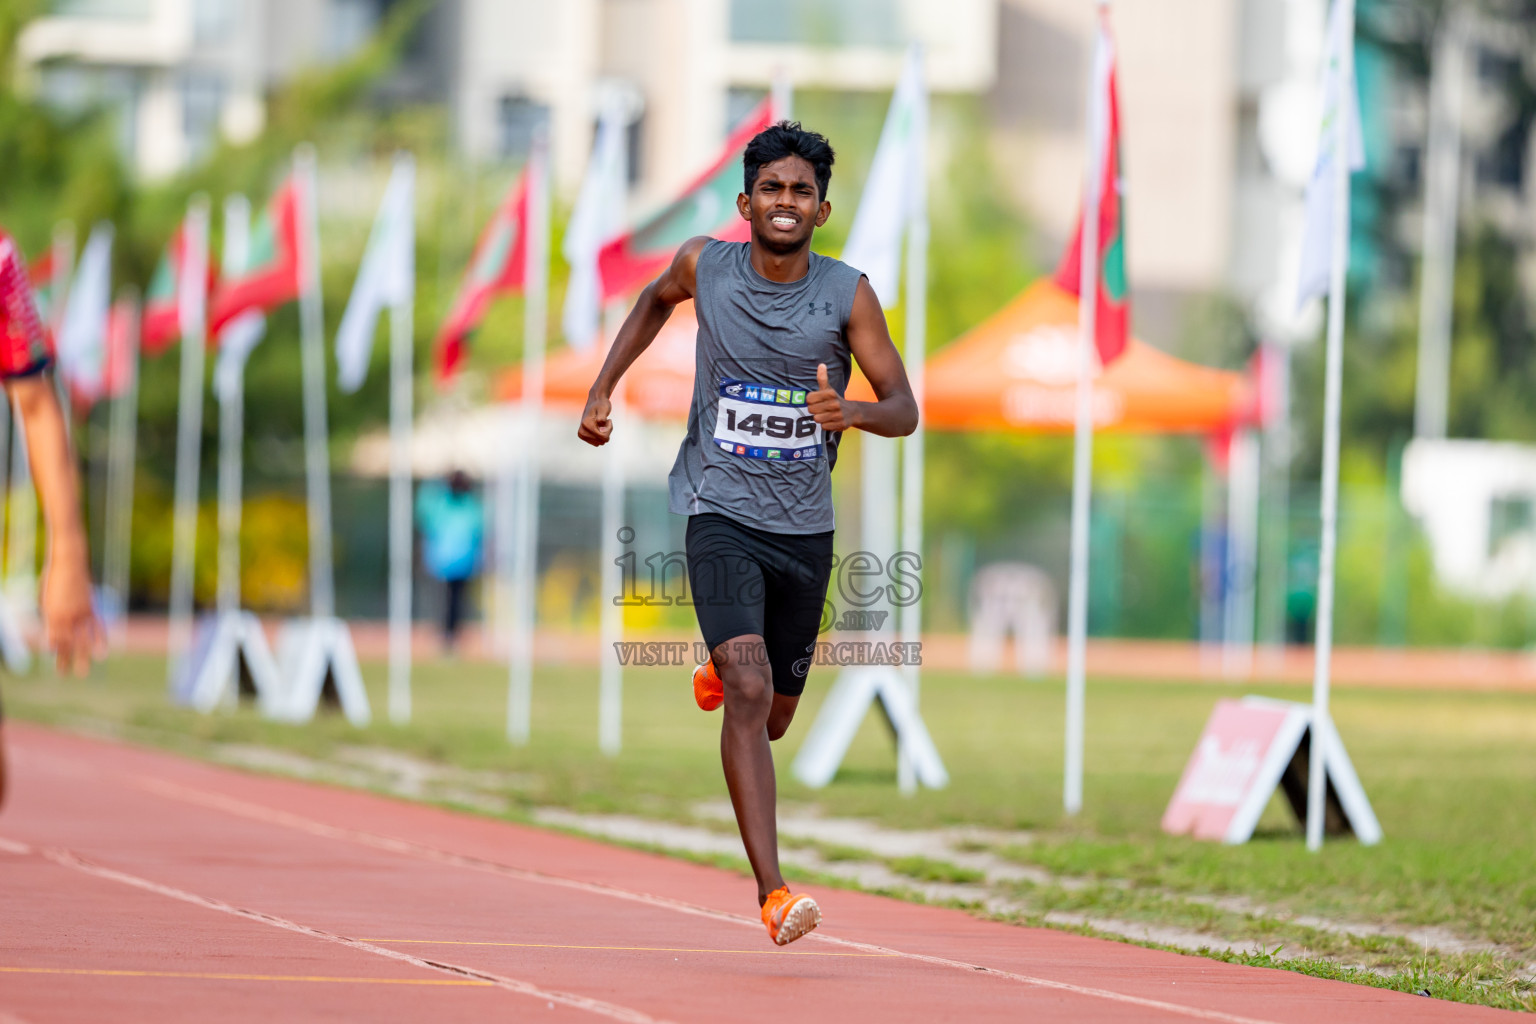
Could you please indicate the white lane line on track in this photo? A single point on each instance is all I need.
(613, 1011)
(21, 850)
(270, 815)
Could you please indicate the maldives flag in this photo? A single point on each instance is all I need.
(500, 265)
(1112, 310)
(706, 207)
(271, 277)
(161, 323)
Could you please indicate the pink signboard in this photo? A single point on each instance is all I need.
(1242, 755)
(1227, 773)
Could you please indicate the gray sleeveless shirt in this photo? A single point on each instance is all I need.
(753, 453)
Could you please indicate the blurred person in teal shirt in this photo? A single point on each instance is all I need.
(452, 523)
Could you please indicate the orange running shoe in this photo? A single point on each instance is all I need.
(789, 916)
(708, 690)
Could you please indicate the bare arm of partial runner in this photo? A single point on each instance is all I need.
(894, 412)
(652, 309)
(69, 622)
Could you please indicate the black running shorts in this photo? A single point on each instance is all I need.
(774, 585)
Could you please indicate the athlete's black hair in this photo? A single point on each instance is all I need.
(784, 139)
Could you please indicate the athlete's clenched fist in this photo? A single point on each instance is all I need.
(828, 407)
(596, 428)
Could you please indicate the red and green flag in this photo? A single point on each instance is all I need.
(272, 275)
(499, 266)
(1112, 311)
(161, 324)
(706, 207)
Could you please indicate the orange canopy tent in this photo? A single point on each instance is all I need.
(1015, 371)
(1018, 371)
(658, 386)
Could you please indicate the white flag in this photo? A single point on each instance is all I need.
(1317, 238)
(236, 341)
(83, 333)
(598, 217)
(894, 190)
(386, 277)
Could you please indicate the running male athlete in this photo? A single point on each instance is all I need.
(778, 324)
(69, 623)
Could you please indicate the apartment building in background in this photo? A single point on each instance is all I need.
(181, 73)
(178, 74)
(687, 69)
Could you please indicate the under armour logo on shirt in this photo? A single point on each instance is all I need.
(826, 307)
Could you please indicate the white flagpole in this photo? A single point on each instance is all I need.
(1441, 187)
(610, 701)
(501, 515)
(1210, 563)
(782, 90)
(1242, 544)
(13, 650)
(916, 358)
(401, 369)
(191, 298)
(879, 461)
(525, 537)
(1082, 451)
(21, 540)
(1344, 111)
(121, 455)
(1277, 457)
(322, 595)
(237, 228)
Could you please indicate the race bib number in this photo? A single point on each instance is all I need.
(760, 421)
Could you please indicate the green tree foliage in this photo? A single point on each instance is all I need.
(57, 167)
(1492, 369)
(65, 167)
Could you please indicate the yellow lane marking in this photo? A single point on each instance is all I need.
(202, 976)
(628, 949)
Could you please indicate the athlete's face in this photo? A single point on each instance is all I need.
(784, 207)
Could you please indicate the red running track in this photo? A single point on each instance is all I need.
(138, 886)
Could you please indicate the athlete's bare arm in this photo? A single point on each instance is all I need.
(69, 622)
(894, 413)
(652, 309)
